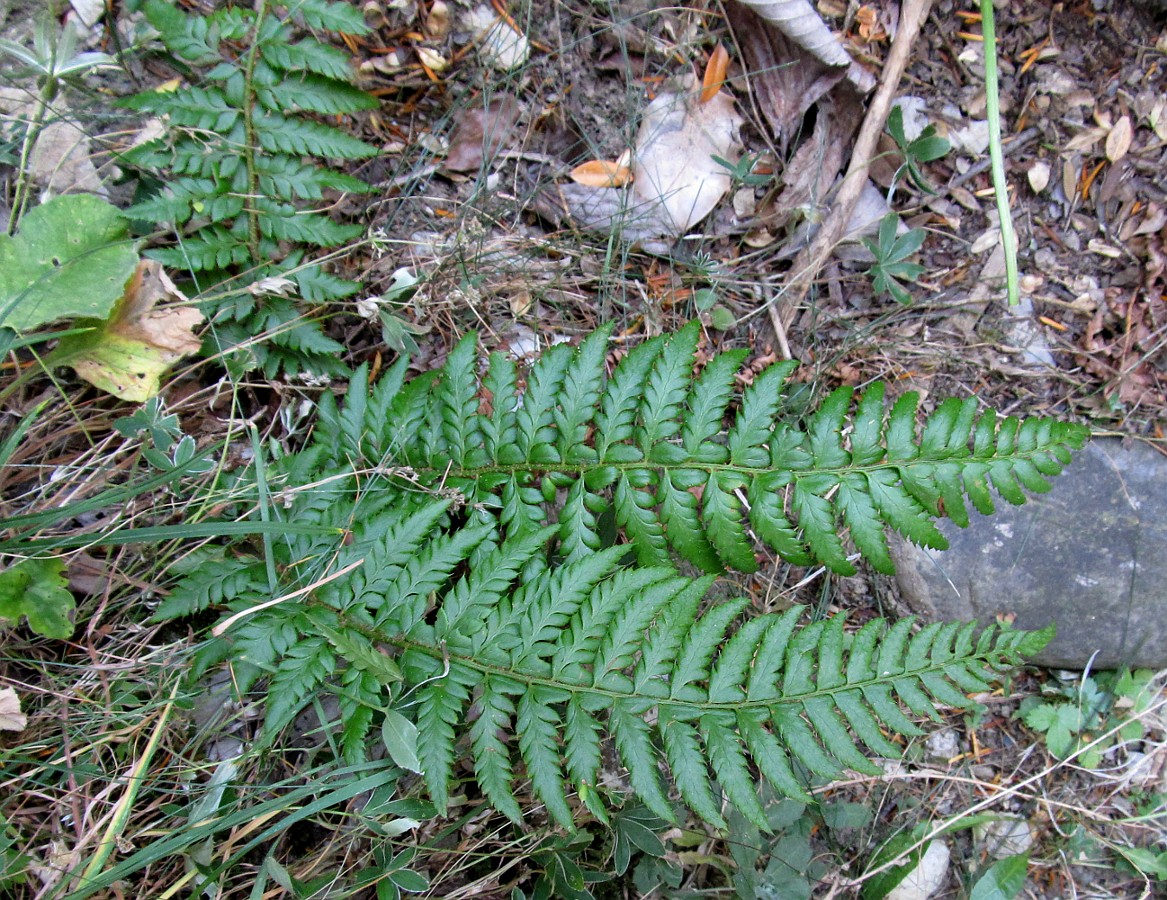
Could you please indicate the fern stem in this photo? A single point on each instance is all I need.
(250, 142)
(996, 153)
(442, 654)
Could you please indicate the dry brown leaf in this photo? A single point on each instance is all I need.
(1118, 142)
(481, 133)
(1085, 140)
(127, 355)
(715, 73)
(601, 173)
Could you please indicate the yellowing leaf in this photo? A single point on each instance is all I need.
(600, 173)
(127, 355)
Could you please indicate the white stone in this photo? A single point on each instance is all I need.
(926, 879)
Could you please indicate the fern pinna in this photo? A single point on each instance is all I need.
(238, 159)
(489, 592)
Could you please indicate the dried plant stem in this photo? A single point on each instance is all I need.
(810, 261)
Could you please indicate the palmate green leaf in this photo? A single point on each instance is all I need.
(36, 590)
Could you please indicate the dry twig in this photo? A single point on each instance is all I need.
(811, 259)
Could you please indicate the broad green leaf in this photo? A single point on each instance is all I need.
(400, 736)
(1003, 881)
(70, 259)
(35, 589)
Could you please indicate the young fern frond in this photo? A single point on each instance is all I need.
(243, 162)
(485, 598)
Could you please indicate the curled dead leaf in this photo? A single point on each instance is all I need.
(601, 173)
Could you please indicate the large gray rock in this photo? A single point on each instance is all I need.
(1090, 556)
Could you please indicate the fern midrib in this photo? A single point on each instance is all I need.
(249, 146)
(448, 473)
(443, 655)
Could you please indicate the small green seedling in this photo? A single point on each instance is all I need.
(1072, 716)
(891, 252)
(924, 149)
(742, 172)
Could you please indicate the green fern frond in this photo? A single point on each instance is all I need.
(485, 600)
(240, 173)
(685, 471)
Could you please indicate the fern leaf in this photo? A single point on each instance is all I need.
(692, 664)
(360, 698)
(729, 762)
(307, 55)
(439, 713)
(631, 734)
(666, 390)
(690, 768)
(492, 761)
(279, 134)
(488, 594)
(328, 15)
(538, 726)
(302, 670)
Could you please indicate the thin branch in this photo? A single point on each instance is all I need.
(811, 260)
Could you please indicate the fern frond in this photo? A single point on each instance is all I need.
(329, 15)
(683, 472)
(251, 181)
(490, 599)
(732, 695)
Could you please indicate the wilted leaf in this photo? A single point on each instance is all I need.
(127, 355)
(11, 718)
(70, 258)
(601, 173)
(480, 133)
(1118, 142)
(675, 146)
(1085, 139)
(35, 589)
